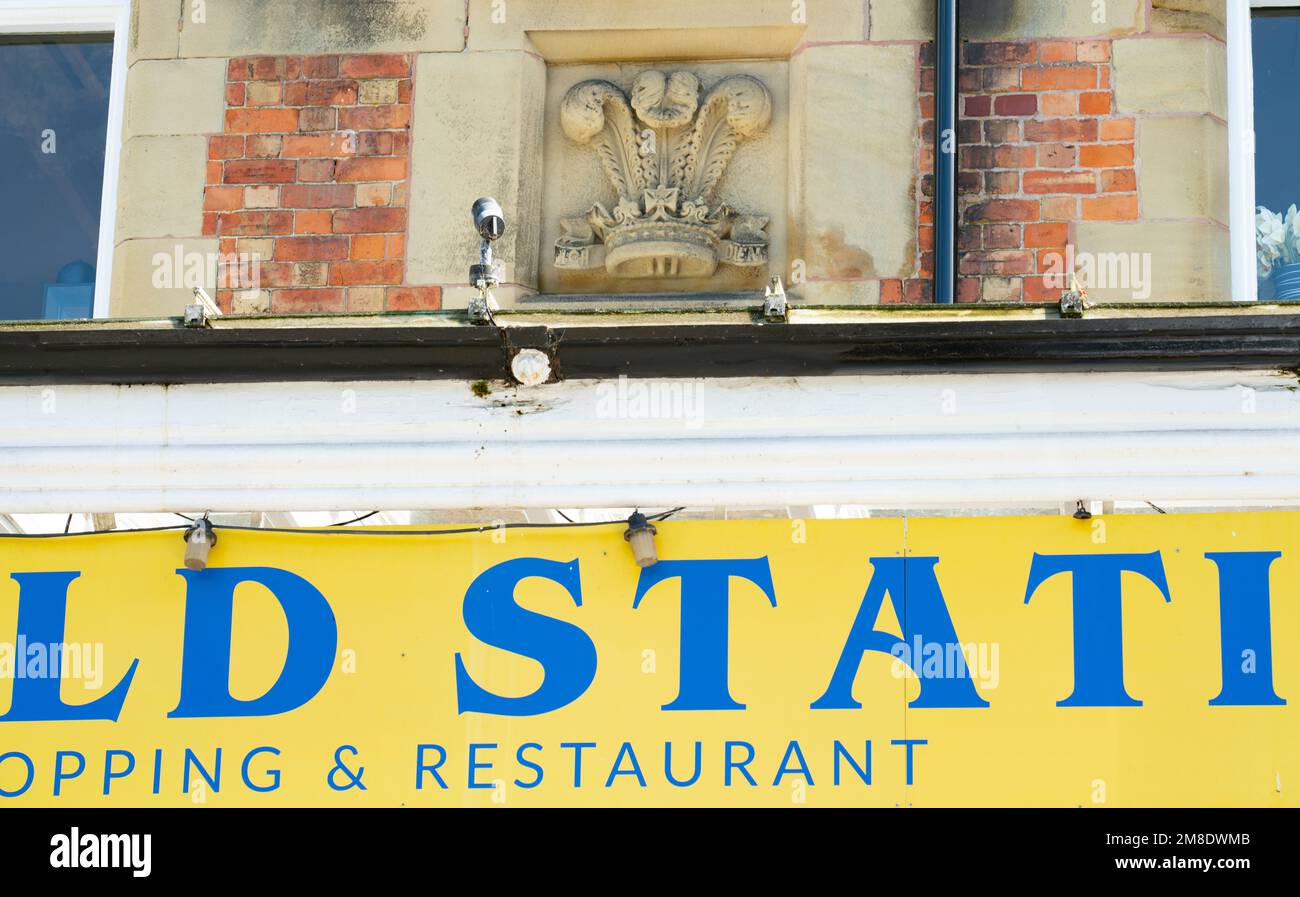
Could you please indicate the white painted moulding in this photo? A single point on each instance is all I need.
(890, 442)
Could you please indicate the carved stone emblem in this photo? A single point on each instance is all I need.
(664, 149)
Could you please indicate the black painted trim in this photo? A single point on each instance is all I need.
(334, 353)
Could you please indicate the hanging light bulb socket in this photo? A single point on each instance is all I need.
(640, 535)
(199, 540)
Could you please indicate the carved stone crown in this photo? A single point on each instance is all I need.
(664, 150)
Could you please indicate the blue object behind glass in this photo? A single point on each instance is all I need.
(53, 124)
(1275, 36)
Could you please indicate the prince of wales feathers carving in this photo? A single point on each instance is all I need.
(664, 151)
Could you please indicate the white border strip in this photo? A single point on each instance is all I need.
(88, 17)
(904, 441)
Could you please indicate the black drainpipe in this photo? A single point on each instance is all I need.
(945, 163)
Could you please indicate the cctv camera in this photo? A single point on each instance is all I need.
(489, 220)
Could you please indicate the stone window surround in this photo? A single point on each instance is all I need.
(88, 17)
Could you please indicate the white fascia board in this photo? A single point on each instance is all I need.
(898, 441)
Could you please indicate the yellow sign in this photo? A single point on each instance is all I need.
(1118, 661)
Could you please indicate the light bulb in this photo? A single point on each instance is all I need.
(640, 535)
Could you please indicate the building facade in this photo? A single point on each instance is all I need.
(779, 259)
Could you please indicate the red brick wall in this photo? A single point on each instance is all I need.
(311, 174)
(1039, 149)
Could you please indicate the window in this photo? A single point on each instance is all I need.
(60, 127)
(1275, 43)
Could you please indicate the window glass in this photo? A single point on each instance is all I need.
(53, 124)
(1275, 34)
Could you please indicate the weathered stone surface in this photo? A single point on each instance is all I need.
(1171, 75)
(1189, 15)
(155, 30)
(991, 20)
(1189, 260)
(259, 27)
(160, 191)
(175, 96)
(855, 161)
(598, 30)
(1196, 185)
(479, 133)
(134, 292)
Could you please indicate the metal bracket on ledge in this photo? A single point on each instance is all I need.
(202, 311)
(775, 306)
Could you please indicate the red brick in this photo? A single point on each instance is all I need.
(1106, 155)
(968, 289)
(371, 169)
(891, 292)
(235, 94)
(1000, 262)
(1094, 51)
(1111, 208)
(396, 246)
(375, 143)
(311, 249)
(306, 301)
(1060, 182)
(318, 196)
(332, 93)
(1059, 104)
(1016, 104)
(376, 66)
(315, 171)
(255, 224)
(223, 199)
(1057, 155)
(1118, 180)
(404, 90)
(1060, 208)
(295, 93)
(1001, 132)
(999, 79)
(263, 146)
(1057, 51)
(262, 120)
(1118, 129)
(226, 146)
(324, 119)
(918, 291)
(999, 53)
(1002, 182)
(374, 118)
(1003, 210)
(1003, 236)
(1059, 77)
(1041, 289)
(1050, 236)
(976, 107)
(1095, 103)
(1013, 157)
(320, 67)
(313, 222)
(261, 171)
(325, 145)
(369, 246)
(424, 298)
(1061, 130)
(370, 221)
(365, 273)
(215, 170)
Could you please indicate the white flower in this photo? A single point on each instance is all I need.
(1270, 237)
(1265, 264)
(1292, 246)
